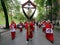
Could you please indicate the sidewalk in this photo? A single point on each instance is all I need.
(2, 31)
(2, 26)
(57, 26)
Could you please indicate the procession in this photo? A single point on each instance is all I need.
(29, 22)
(29, 26)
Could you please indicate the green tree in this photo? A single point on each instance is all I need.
(7, 6)
(5, 12)
(20, 17)
(41, 9)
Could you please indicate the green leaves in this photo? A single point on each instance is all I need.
(20, 17)
(41, 9)
(55, 8)
(40, 2)
(49, 2)
(0, 6)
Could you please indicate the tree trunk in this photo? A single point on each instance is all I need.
(5, 12)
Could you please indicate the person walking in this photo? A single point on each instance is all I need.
(49, 31)
(13, 29)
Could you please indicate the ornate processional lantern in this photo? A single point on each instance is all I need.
(29, 9)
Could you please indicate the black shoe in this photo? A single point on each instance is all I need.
(52, 42)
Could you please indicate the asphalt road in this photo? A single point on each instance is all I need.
(57, 37)
(38, 39)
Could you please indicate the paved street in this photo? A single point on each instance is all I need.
(57, 37)
(38, 39)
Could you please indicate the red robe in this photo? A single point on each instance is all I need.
(21, 26)
(31, 29)
(32, 26)
(49, 32)
(13, 29)
(27, 36)
(43, 25)
(25, 25)
(31, 32)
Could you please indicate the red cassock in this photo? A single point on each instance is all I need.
(31, 34)
(28, 36)
(26, 25)
(32, 26)
(31, 29)
(43, 25)
(49, 32)
(21, 26)
(12, 30)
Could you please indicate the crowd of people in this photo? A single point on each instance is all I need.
(47, 28)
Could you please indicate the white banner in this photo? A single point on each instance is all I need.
(48, 30)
